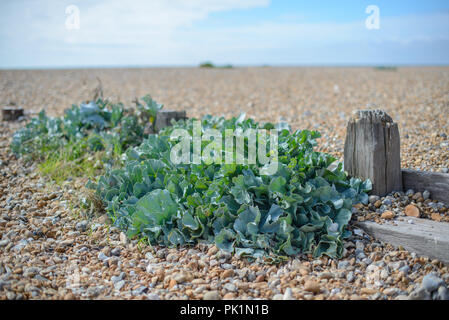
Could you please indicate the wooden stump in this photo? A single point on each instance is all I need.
(372, 150)
(164, 118)
(11, 113)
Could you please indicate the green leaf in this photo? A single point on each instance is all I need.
(175, 237)
(139, 189)
(225, 240)
(189, 221)
(277, 185)
(342, 218)
(158, 206)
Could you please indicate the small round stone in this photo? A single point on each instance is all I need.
(387, 215)
(412, 211)
(211, 295)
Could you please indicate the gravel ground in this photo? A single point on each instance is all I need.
(308, 98)
(48, 250)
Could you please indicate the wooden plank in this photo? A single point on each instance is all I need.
(372, 150)
(423, 236)
(437, 183)
(11, 113)
(164, 117)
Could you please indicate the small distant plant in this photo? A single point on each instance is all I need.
(385, 68)
(207, 65)
(211, 65)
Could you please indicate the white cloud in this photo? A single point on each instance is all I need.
(111, 22)
(156, 32)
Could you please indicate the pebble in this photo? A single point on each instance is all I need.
(229, 296)
(119, 285)
(417, 196)
(312, 286)
(213, 250)
(118, 278)
(326, 275)
(230, 287)
(387, 215)
(252, 277)
(81, 226)
(123, 238)
(227, 273)
(384, 274)
(342, 265)
(102, 256)
(443, 293)
(211, 295)
(368, 291)
(373, 199)
(172, 257)
(153, 296)
(391, 291)
(350, 277)
(140, 290)
(405, 269)
(288, 294)
(10, 295)
(396, 265)
(431, 282)
(260, 278)
(149, 268)
(227, 266)
(420, 294)
(115, 252)
(335, 291)
(412, 211)
(181, 277)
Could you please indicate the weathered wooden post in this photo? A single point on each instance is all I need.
(11, 113)
(164, 117)
(372, 150)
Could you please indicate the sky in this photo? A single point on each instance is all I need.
(102, 33)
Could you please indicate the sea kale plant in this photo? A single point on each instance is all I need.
(100, 123)
(89, 136)
(303, 208)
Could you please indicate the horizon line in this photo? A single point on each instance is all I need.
(226, 66)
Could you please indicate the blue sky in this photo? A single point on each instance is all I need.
(33, 34)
